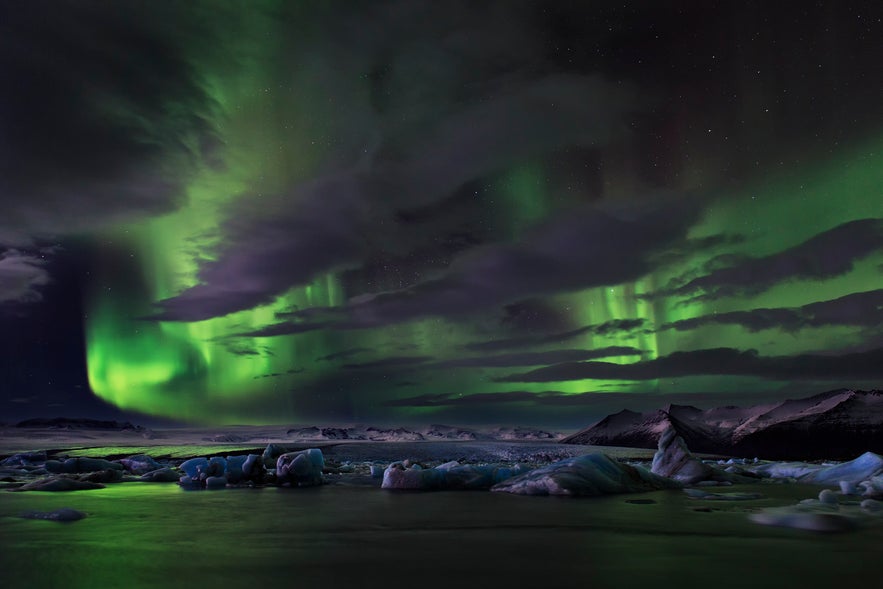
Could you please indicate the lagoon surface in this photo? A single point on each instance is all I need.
(157, 535)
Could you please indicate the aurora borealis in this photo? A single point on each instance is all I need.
(414, 211)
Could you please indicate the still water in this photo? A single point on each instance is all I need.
(156, 535)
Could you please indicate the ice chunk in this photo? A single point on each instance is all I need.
(848, 488)
(804, 520)
(699, 494)
(302, 469)
(862, 468)
(140, 464)
(396, 476)
(215, 482)
(873, 487)
(271, 454)
(253, 466)
(234, 468)
(828, 497)
(194, 466)
(785, 470)
(450, 475)
(871, 506)
(216, 466)
(674, 460)
(587, 475)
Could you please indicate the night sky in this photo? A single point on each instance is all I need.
(436, 212)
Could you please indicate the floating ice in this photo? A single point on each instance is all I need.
(828, 497)
(140, 464)
(863, 468)
(302, 469)
(873, 487)
(215, 482)
(234, 468)
(194, 466)
(587, 475)
(699, 494)
(674, 460)
(805, 519)
(450, 475)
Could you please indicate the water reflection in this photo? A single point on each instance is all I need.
(143, 535)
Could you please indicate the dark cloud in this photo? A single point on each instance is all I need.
(391, 362)
(537, 358)
(718, 361)
(448, 399)
(862, 309)
(102, 116)
(617, 244)
(533, 316)
(598, 403)
(324, 224)
(22, 275)
(543, 398)
(310, 232)
(343, 354)
(278, 329)
(826, 255)
(619, 327)
(578, 250)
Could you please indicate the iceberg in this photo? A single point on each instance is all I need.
(585, 476)
(301, 469)
(140, 464)
(450, 475)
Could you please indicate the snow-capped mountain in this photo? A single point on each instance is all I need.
(836, 424)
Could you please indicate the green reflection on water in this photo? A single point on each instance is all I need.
(142, 535)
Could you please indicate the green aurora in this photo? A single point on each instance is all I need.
(294, 93)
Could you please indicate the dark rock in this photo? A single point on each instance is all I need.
(78, 423)
(77, 465)
(162, 475)
(65, 514)
(24, 459)
(101, 476)
(59, 483)
(140, 464)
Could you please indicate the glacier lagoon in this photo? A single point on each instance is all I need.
(158, 535)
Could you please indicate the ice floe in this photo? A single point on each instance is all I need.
(587, 475)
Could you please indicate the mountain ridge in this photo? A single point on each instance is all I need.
(836, 424)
